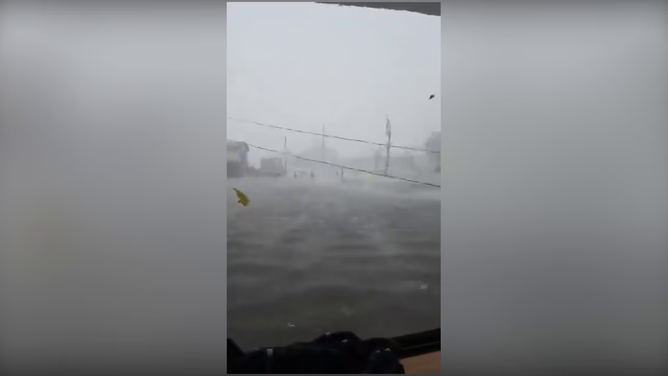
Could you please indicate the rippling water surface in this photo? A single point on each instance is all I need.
(307, 258)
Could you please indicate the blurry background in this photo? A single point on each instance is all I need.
(555, 206)
(112, 227)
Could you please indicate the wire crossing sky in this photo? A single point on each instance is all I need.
(303, 65)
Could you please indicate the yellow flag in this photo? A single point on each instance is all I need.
(243, 200)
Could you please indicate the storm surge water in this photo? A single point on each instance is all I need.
(307, 258)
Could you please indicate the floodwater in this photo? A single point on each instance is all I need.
(305, 258)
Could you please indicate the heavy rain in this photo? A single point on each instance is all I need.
(337, 235)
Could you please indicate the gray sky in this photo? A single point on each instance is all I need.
(300, 65)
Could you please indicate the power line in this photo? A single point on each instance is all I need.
(332, 136)
(349, 168)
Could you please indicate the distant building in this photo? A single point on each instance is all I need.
(237, 158)
(316, 154)
(404, 164)
(272, 167)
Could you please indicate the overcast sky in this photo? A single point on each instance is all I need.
(302, 65)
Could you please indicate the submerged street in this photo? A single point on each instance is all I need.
(307, 257)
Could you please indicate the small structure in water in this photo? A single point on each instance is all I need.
(272, 167)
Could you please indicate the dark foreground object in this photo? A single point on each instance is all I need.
(341, 352)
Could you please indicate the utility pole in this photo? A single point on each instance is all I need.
(322, 150)
(323, 155)
(285, 153)
(388, 131)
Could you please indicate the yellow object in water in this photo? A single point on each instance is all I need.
(243, 200)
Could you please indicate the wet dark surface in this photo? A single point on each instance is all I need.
(307, 258)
